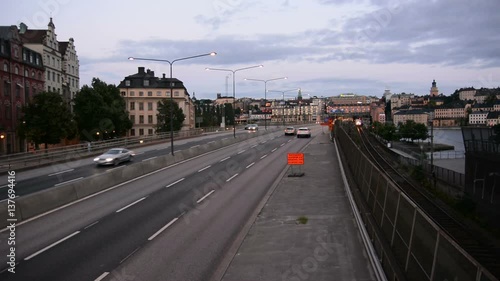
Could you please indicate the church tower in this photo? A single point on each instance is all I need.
(434, 89)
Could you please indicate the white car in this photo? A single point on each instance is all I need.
(303, 132)
(252, 127)
(290, 131)
(114, 156)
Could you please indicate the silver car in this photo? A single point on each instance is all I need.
(114, 156)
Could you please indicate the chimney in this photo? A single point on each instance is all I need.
(141, 69)
(148, 71)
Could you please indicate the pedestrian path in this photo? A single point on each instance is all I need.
(306, 230)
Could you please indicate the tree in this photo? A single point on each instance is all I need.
(229, 113)
(101, 108)
(163, 116)
(46, 120)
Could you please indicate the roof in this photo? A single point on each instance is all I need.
(34, 36)
(137, 81)
(410, 112)
(63, 46)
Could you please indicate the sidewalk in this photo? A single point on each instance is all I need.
(327, 247)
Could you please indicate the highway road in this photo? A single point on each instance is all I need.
(176, 223)
(57, 174)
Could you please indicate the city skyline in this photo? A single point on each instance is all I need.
(324, 47)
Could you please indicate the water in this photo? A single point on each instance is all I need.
(450, 136)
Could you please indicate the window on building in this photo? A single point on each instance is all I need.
(150, 94)
(132, 93)
(32, 74)
(146, 83)
(6, 88)
(150, 119)
(132, 105)
(2, 48)
(54, 76)
(16, 52)
(127, 83)
(18, 90)
(141, 106)
(132, 118)
(150, 131)
(26, 73)
(48, 75)
(123, 93)
(167, 93)
(5, 67)
(25, 56)
(141, 132)
(16, 70)
(141, 119)
(176, 93)
(132, 132)
(58, 78)
(150, 106)
(158, 93)
(31, 58)
(53, 62)
(141, 94)
(37, 61)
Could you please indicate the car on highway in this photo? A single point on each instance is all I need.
(114, 156)
(290, 131)
(252, 127)
(303, 132)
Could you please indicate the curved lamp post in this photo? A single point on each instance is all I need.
(265, 92)
(234, 98)
(171, 89)
(283, 93)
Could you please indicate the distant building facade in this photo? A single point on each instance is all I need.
(417, 115)
(21, 77)
(60, 59)
(142, 92)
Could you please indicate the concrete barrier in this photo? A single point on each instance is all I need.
(46, 200)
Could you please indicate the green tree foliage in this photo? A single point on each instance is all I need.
(412, 131)
(163, 116)
(386, 131)
(46, 120)
(101, 108)
(229, 113)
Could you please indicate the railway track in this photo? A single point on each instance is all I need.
(485, 254)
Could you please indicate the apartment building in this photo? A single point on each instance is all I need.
(142, 92)
(467, 94)
(21, 77)
(417, 115)
(478, 118)
(493, 118)
(60, 59)
(401, 100)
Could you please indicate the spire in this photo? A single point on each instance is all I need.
(299, 97)
(51, 24)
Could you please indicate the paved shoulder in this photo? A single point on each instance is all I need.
(306, 231)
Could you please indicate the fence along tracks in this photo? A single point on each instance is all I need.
(485, 254)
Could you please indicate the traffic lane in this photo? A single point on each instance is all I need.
(193, 247)
(87, 168)
(34, 234)
(82, 255)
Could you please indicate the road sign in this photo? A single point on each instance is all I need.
(295, 158)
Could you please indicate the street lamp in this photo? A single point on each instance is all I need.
(171, 86)
(265, 93)
(234, 96)
(283, 93)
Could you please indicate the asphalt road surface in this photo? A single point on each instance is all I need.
(173, 224)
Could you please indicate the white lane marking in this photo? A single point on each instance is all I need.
(147, 159)
(3, 186)
(274, 150)
(231, 178)
(92, 224)
(203, 169)
(195, 146)
(162, 229)
(61, 172)
(282, 144)
(241, 152)
(175, 182)
(102, 276)
(264, 156)
(222, 160)
(250, 165)
(289, 140)
(211, 142)
(264, 142)
(177, 151)
(51, 245)
(131, 204)
(8, 198)
(61, 183)
(224, 138)
(129, 255)
(253, 146)
(203, 198)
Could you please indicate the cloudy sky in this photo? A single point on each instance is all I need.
(324, 47)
